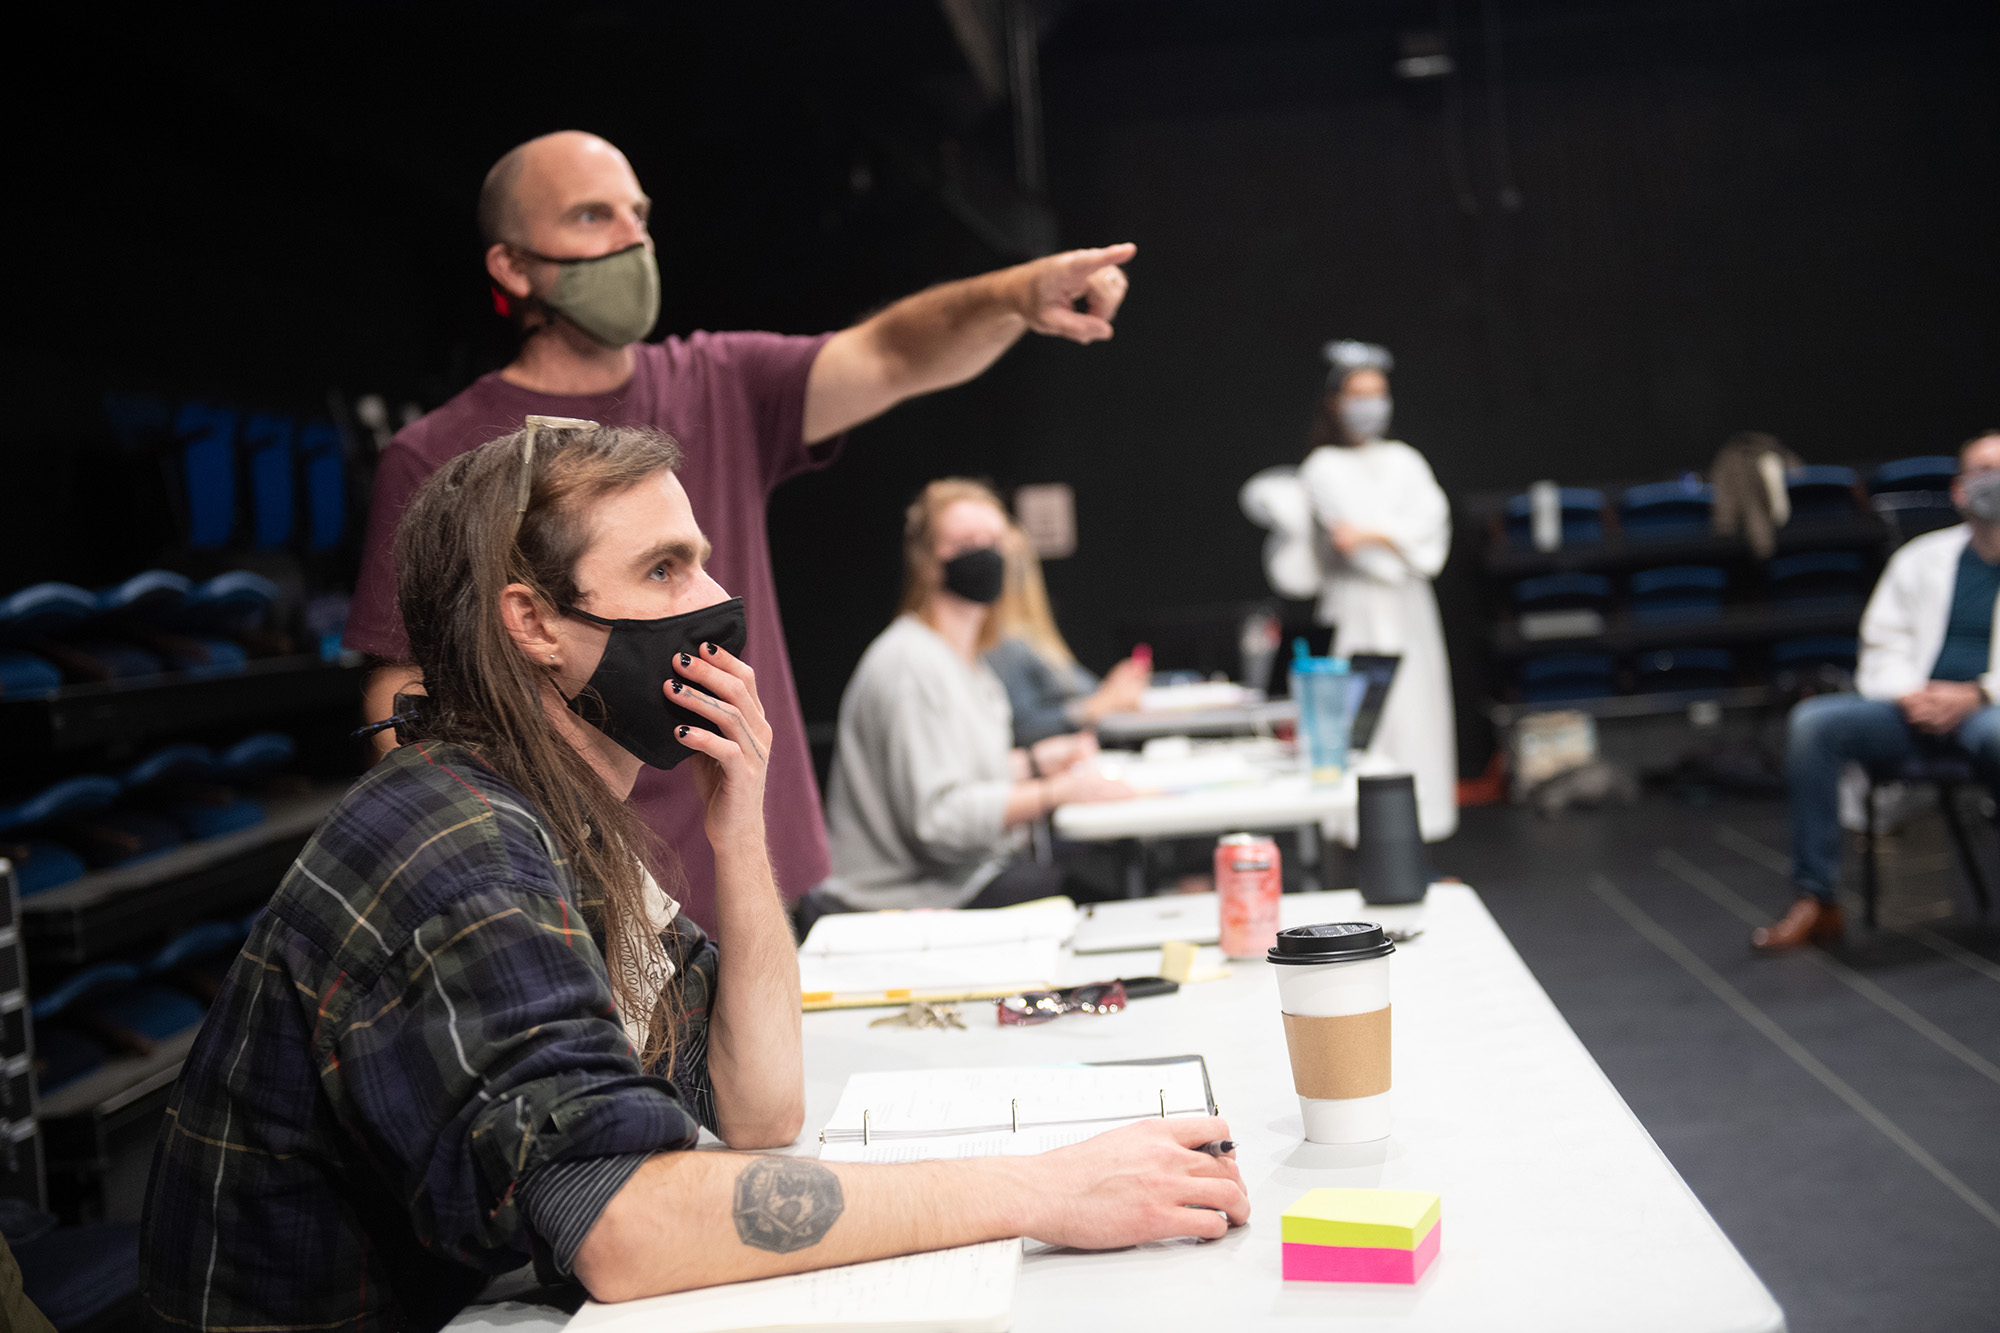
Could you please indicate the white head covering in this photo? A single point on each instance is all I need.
(1344, 356)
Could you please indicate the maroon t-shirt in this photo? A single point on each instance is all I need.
(736, 403)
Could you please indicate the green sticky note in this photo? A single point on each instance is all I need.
(1374, 1219)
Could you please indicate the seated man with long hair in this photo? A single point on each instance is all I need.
(471, 1031)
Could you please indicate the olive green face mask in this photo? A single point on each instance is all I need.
(614, 298)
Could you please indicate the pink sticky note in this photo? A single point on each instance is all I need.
(1353, 1263)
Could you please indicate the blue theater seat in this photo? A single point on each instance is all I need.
(71, 796)
(1664, 669)
(256, 755)
(1816, 650)
(43, 609)
(1822, 491)
(1582, 518)
(1563, 676)
(1667, 510)
(228, 603)
(26, 676)
(147, 598)
(1818, 581)
(1678, 592)
(1563, 592)
(1914, 494)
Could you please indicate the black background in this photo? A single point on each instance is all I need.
(1734, 215)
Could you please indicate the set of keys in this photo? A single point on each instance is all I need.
(922, 1014)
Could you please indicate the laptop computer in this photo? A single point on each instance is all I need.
(1380, 671)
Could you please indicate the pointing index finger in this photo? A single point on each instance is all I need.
(1083, 262)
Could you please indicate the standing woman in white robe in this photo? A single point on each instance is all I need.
(1390, 529)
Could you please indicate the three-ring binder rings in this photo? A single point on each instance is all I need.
(916, 1114)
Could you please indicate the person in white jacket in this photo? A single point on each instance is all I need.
(1389, 529)
(1927, 679)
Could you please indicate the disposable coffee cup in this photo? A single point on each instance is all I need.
(1333, 986)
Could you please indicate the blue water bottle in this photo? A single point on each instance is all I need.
(1321, 687)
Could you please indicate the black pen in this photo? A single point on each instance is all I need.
(1218, 1148)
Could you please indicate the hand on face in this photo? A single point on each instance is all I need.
(729, 768)
(1053, 285)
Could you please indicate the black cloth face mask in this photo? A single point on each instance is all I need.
(626, 699)
(977, 576)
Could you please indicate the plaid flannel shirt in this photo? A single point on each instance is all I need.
(420, 1023)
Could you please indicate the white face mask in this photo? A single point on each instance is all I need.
(1366, 418)
(1982, 496)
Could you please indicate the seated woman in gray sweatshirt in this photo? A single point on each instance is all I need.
(929, 802)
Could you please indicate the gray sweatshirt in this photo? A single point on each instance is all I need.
(916, 808)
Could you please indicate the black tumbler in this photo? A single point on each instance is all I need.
(1393, 867)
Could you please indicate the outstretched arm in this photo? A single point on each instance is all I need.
(693, 1219)
(950, 333)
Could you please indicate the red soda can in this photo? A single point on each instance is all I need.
(1248, 879)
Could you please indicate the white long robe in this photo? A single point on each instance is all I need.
(1381, 601)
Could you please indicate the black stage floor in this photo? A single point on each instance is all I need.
(1838, 1113)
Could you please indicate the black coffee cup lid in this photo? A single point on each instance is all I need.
(1331, 942)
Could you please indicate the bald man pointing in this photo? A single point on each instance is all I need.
(570, 258)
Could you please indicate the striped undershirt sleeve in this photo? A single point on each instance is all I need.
(562, 1201)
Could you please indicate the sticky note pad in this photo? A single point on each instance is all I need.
(1335, 1235)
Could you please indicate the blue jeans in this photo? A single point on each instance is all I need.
(1827, 732)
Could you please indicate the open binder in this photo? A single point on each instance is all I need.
(908, 1115)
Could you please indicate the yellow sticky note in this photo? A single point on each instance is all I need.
(1177, 960)
(1376, 1219)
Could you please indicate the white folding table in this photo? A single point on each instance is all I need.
(1274, 797)
(1233, 720)
(1560, 1214)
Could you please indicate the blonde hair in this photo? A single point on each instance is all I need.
(1023, 609)
(923, 572)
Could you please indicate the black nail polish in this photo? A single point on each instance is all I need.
(682, 732)
(674, 685)
(709, 649)
(685, 659)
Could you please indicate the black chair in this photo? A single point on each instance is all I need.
(1948, 772)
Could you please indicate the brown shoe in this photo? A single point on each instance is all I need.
(1809, 921)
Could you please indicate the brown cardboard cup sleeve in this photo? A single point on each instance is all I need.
(1336, 1058)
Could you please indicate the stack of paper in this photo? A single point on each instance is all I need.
(894, 957)
(1360, 1235)
(1197, 694)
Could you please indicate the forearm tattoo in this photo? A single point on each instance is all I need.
(786, 1203)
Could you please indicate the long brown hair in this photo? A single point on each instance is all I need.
(456, 549)
(923, 572)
